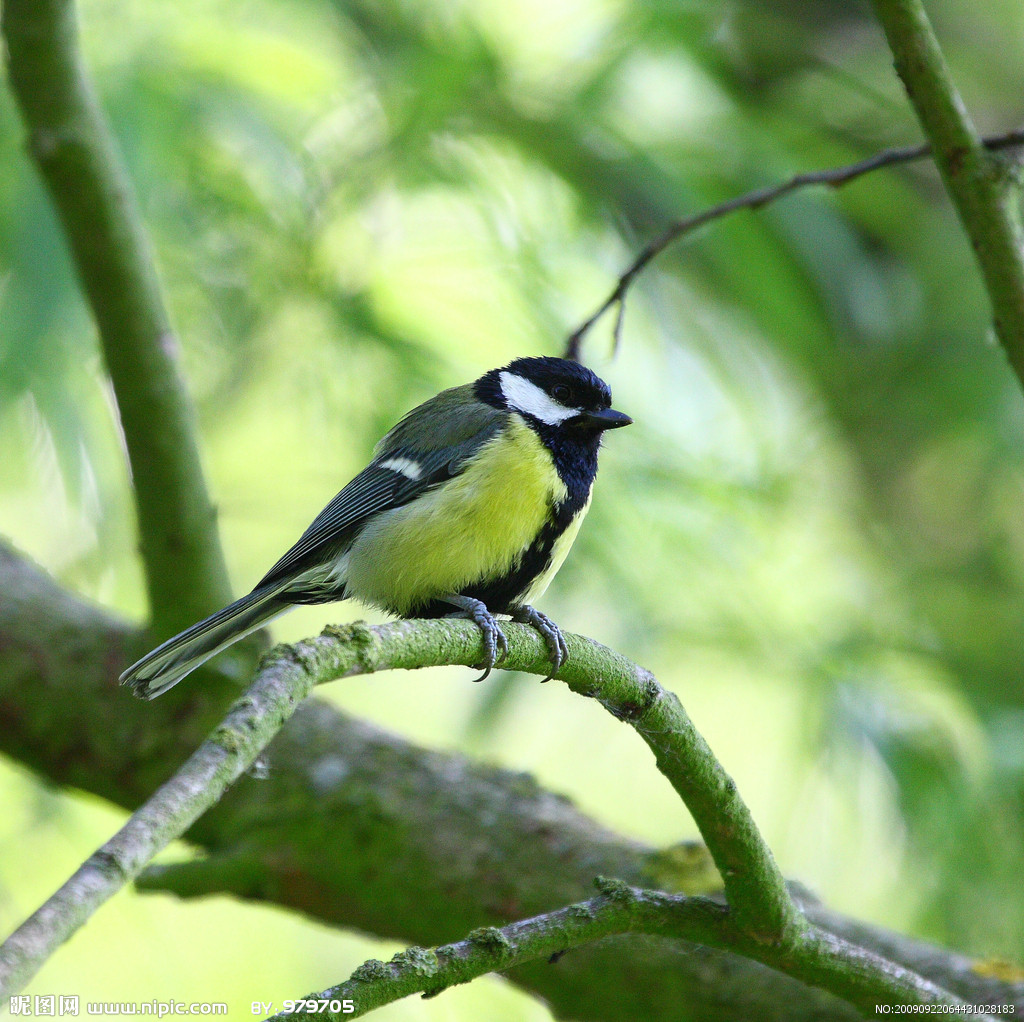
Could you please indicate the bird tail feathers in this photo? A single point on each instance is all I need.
(166, 665)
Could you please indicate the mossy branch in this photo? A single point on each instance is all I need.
(755, 888)
(73, 148)
(619, 909)
(756, 891)
(761, 919)
(820, 958)
(492, 848)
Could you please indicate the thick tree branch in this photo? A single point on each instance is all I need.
(833, 177)
(982, 188)
(71, 144)
(362, 830)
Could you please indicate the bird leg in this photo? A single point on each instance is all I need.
(495, 643)
(558, 648)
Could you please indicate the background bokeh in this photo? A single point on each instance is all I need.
(814, 533)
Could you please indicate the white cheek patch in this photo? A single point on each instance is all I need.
(404, 466)
(524, 396)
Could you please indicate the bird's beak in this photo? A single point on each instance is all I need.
(607, 418)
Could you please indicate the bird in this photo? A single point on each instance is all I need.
(467, 509)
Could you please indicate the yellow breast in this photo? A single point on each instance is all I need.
(475, 526)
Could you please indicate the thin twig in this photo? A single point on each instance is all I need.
(834, 177)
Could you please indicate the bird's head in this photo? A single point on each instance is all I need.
(552, 393)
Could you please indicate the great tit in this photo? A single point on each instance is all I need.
(467, 509)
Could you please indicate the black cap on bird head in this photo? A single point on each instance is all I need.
(553, 392)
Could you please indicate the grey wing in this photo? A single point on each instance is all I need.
(399, 473)
(450, 419)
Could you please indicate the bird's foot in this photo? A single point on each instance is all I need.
(495, 643)
(558, 648)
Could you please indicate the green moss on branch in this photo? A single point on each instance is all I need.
(820, 959)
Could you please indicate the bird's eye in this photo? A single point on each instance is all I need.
(561, 393)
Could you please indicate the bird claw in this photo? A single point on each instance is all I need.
(558, 648)
(495, 643)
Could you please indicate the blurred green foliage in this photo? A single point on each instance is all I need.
(815, 531)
